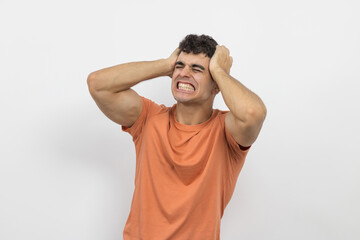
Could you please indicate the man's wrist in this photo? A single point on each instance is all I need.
(164, 66)
(217, 73)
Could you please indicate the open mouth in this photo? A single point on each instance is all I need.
(186, 86)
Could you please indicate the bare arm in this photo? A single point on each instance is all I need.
(247, 111)
(110, 87)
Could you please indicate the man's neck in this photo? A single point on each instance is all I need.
(192, 114)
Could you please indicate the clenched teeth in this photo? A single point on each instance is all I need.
(186, 87)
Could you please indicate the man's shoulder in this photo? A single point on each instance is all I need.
(153, 110)
(220, 113)
(150, 103)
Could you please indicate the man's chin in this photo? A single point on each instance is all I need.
(182, 100)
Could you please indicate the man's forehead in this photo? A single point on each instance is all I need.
(190, 58)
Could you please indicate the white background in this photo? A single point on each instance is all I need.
(67, 172)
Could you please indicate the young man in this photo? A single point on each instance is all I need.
(189, 156)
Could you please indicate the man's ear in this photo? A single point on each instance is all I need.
(216, 89)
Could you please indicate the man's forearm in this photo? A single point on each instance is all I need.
(243, 103)
(121, 77)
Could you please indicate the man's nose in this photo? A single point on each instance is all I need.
(185, 71)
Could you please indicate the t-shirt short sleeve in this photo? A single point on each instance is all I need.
(236, 157)
(149, 108)
(236, 149)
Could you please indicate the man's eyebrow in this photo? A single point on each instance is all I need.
(193, 65)
(197, 66)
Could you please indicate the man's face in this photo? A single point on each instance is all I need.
(191, 80)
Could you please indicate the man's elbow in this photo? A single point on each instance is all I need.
(257, 115)
(91, 81)
(96, 83)
(263, 112)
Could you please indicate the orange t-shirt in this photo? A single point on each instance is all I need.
(185, 175)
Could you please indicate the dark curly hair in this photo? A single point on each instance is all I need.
(196, 44)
